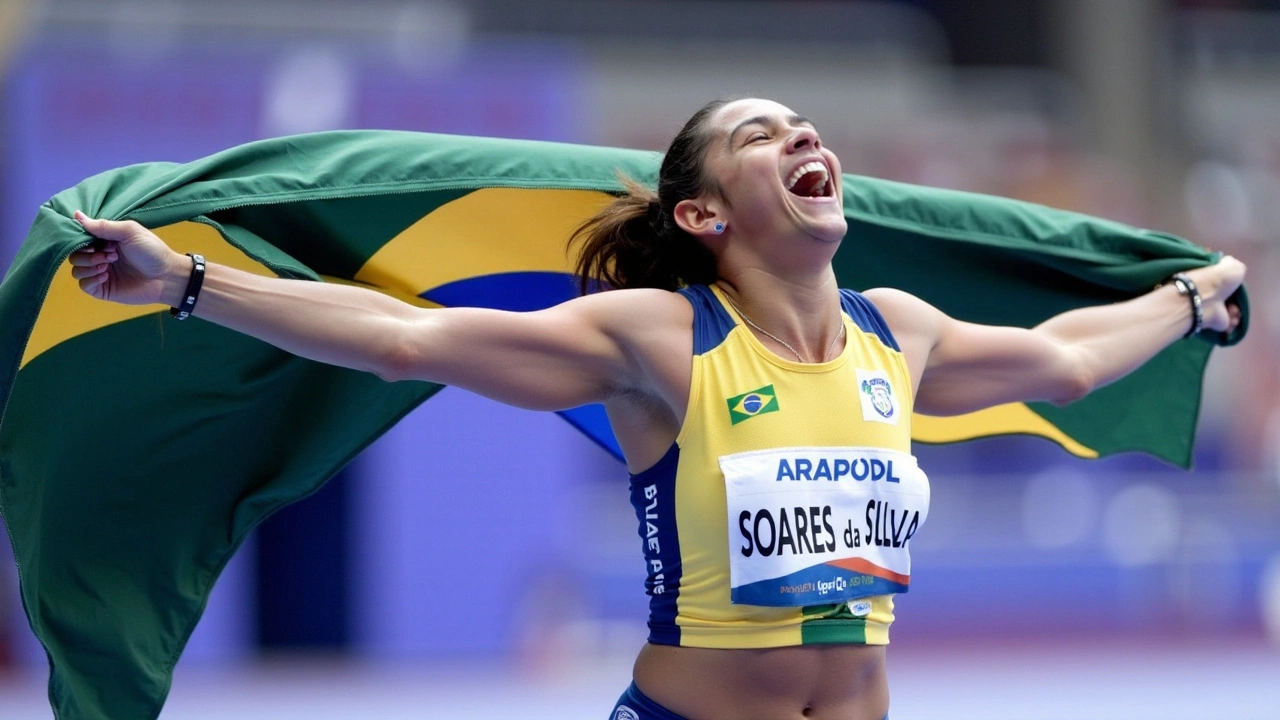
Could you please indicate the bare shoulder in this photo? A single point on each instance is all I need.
(637, 303)
(645, 323)
(905, 313)
(915, 324)
(637, 314)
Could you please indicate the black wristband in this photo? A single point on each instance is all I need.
(183, 311)
(1186, 286)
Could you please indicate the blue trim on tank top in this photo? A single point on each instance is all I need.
(662, 567)
(867, 317)
(711, 322)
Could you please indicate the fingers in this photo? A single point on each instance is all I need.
(95, 284)
(90, 267)
(118, 230)
(90, 283)
(90, 256)
(87, 271)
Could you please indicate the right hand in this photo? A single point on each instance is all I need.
(133, 266)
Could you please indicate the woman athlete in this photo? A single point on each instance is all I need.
(764, 413)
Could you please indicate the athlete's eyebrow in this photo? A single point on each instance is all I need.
(768, 121)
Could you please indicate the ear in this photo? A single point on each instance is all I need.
(698, 217)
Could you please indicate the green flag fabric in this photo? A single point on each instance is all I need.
(137, 453)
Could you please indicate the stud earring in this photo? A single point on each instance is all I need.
(718, 228)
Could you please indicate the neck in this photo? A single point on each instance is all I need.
(799, 315)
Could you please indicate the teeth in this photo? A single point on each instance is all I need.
(805, 169)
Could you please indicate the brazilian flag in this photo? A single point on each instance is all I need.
(136, 453)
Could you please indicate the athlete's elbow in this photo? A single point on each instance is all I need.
(1074, 384)
(398, 359)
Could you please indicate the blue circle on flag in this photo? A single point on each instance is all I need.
(752, 404)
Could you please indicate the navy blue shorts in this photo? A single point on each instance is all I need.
(635, 705)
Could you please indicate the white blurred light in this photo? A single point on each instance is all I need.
(1141, 525)
(1262, 183)
(1269, 598)
(1217, 200)
(309, 90)
(1058, 508)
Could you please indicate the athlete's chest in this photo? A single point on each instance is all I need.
(746, 402)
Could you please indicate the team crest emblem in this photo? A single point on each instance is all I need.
(878, 401)
(750, 404)
(625, 713)
(881, 395)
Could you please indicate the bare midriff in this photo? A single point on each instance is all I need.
(809, 682)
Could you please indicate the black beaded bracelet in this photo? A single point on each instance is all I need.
(1187, 287)
(183, 311)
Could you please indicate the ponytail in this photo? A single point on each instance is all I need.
(635, 242)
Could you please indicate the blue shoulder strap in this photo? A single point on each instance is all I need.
(711, 322)
(867, 317)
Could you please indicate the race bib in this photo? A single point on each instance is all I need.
(811, 526)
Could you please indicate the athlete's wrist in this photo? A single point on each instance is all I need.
(174, 279)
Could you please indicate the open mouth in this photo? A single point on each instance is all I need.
(810, 180)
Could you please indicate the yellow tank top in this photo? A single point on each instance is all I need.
(782, 513)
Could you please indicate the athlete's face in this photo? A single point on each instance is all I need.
(776, 175)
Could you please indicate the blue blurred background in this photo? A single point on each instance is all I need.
(483, 553)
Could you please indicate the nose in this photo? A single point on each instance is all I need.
(804, 137)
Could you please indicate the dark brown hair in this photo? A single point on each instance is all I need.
(635, 241)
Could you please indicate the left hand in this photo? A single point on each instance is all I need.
(1217, 283)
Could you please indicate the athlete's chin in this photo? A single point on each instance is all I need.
(832, 231)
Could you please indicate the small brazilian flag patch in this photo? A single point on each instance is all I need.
(753, 403)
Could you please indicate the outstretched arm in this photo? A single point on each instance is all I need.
(960, 367)
(568, 355)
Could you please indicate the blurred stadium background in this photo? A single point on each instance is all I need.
(482, 562)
